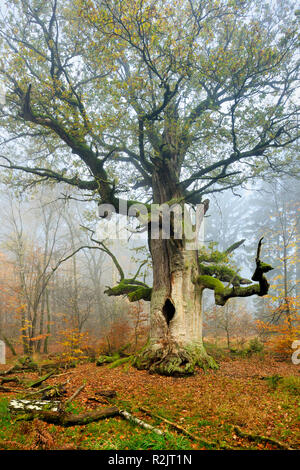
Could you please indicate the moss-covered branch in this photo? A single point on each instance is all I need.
(211, 277)
(134, 290)
(142, 293)
(223, 272)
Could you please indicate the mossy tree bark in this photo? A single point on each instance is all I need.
(180, 275)
(175, 345)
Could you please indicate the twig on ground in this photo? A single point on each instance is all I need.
(129, 417)
(74, 394)
(263, 439)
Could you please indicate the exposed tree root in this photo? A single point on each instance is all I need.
(183, 431)
(173, 360)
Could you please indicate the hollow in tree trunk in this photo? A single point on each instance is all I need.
(175, 345)
(180, 275)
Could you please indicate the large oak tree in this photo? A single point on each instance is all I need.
(163, 101)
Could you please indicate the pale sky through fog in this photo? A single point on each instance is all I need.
(3, 11)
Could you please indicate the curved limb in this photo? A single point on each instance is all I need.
(222, 293)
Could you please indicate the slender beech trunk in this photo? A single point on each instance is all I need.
(42, 314)
(48, 322)
(8, 343)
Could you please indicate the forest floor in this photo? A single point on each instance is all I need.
(244, 392)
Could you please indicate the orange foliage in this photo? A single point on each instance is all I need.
(74, 343)
(116, 337)
(131, 331)
(281, 335)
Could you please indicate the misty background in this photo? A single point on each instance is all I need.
(42, 226)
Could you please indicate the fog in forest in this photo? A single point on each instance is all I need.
(53, 273)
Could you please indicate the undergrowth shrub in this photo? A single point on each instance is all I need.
(273, 381)
(255, 346)
(290, 384)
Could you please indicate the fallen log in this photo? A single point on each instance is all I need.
(35, 383)
(133, 419)
(51, 391)
(70, 419)
(262, 439)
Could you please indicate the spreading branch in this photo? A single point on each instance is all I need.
(219, 273)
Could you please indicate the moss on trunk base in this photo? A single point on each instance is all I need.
(174, 360)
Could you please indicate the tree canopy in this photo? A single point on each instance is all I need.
(103, 93)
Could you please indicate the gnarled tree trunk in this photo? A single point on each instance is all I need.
(175, 345)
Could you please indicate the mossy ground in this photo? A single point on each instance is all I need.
(207, 404)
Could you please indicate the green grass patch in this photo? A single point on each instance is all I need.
(5, 418)
(219, 353)
(273, 381)
(74, 407)
(290, 384)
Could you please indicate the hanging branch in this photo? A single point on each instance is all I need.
(132, 288)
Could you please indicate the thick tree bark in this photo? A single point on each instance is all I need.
(180, 275)
(175, 345)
